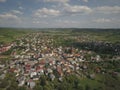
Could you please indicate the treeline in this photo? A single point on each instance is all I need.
(99, 47)
(110, 35)
(94, 30)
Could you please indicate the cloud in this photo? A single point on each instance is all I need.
(9, 20)
(2, 0)
(61, 1)
(17, 12)
(66, 21)
(65, 10)
(44, 12)
(85, 0)
(21, 8)
(39, 22)
(108, 9)
(102, 20)
(77, 9)
(9, 16)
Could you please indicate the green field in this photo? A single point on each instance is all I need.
(108, 35)
(8, 35)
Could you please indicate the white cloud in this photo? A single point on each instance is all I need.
(9, 16)
(76, 9)
(108, 9)
(85, 0)
(65, 10)
(44, 12)
(21, 8)
(102, 20)
(61, 1)
(2, 0)
(17, 12)
(39, 22)
(66, 21)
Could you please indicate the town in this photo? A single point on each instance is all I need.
(35, 55)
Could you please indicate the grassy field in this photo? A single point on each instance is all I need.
(8, 35)
(109, 35)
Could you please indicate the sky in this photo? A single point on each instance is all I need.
(60, 13)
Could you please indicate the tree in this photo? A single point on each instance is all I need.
(65, 86)
(47, 87)
(38, 87)
(3, 84)
(87, 87)
(22, 88)
(43, 81)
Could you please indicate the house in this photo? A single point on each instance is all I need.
(2, 66)
(31, 83)
(52, 77)
(26, 73)
(60, 79)
(98, 58)
(21, 81)
(85, 66)
(12, 70)
(33, 73)
(97, 70)
(59, 70)
(27, 67)
(35, 77)
(92, 76)
(2, 76)
(40, 70)
(49, 70)
(5, 48)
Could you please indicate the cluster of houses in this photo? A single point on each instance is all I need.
(35, 56)
(4, 48)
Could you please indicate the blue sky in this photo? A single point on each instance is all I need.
(60, 13)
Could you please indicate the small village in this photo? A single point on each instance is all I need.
(39, 57)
